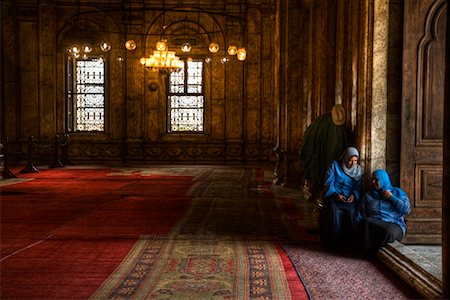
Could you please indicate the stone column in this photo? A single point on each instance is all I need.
(379, 85)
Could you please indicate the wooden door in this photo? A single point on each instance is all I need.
(423, 117)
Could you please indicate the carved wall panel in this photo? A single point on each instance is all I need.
(430, 81)
(209, 153)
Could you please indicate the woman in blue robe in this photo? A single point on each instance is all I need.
(341, 200)
(381, 214)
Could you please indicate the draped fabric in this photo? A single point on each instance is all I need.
(323, 142)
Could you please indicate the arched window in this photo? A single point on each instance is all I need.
(85, 94)
(186, 99)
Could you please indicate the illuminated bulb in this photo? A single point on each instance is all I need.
(75, 49)
(161, 45)
(87, 48)
(208, 60)
(224, 60)
(213, 47)
(232, 50)
(241, 54)
(186, 47)
(130, 45)
(105, 46)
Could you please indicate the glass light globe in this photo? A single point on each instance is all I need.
(241, 54)
(105, 46)
(161, 45)
(208, 60)
(224, 60)
(75, 49)
(232, 50)
(213, 47)
(130, 45)
(87, 48)
(186, 47)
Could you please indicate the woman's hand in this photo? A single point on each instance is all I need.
(341, 198)
(386, 194)
(351, 198)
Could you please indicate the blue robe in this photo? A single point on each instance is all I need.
(390, 210)
(337, 182)
(338, 219)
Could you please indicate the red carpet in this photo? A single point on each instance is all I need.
(64, 232)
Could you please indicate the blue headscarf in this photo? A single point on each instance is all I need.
(385, 184)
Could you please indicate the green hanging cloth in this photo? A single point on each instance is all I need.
(323, 142)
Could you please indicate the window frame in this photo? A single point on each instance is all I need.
(71, 95)
(185, 93)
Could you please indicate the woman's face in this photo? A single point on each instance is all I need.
(376, 182)
(352, 161)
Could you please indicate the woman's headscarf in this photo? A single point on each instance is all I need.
(355, 171)
(385, 184)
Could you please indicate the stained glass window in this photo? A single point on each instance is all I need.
(186, 99)
(86, 95)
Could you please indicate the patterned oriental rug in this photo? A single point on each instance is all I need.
(158, 268)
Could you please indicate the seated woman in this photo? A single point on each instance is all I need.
(341, 199)
(381, 214)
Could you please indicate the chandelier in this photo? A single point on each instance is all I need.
(162, 59)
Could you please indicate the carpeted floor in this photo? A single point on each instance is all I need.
(170, 232)
(66, 230)
(328, 275)
(75, 233)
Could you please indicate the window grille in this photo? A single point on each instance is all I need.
(186, 99)
(86, 94)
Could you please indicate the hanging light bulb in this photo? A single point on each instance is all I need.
(130, 45)
(224, 60)
(241, 54)
(87, 48)
(213, 47)
(208, 60)
(161, 45)
(186, 47)
(75, 49)
(105, 46)
(232, 50)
